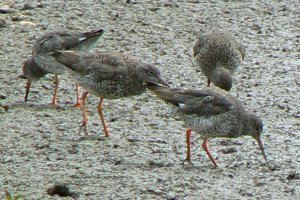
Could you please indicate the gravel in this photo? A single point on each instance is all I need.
(41, 146)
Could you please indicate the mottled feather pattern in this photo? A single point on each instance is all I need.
(218, 48)
(109, 75)
(221, 125)
(212, 112)
(218, 54)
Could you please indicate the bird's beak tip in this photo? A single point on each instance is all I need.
(261, 146)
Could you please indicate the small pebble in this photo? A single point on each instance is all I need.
(61, 190)
(6, 108)
(27, 6)
(246, 193)
(2, 110)
(27, 23)
(229, 150)
(293, 176)
(40, 5)
(17, 17)
(2, 96)
(2, 23)
(5, 9)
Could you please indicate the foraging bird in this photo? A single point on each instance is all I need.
(211, 112)
(61, 40)
(218, 54)
(32, 72)
(107, 75)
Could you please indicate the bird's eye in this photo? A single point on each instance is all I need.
(150, 73)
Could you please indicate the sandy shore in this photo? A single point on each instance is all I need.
(40, 146)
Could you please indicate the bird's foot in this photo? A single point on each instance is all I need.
(77, 105)
(188, 161)
(53, 104)
(83, 127)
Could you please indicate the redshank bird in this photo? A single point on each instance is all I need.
(218, 55)
(108, 75)
(61, 40)
(32, 72)
(211, 112)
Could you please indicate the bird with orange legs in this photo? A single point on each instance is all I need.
(42, 63)
(108, 75)
(211, 112)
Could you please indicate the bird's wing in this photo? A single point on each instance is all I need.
(204, 102)
(60, 40)
(200, 102)
(105, 67)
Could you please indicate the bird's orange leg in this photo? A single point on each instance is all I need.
(84, 111)
(53, 103)
(27, 90)
(204, 146)
(99, 107)
(78, 103)
(188, 143)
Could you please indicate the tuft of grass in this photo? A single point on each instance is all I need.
(10, 196)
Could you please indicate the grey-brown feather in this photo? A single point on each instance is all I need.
(61, 40)
(108, 75)
(32, 71)
(211, 112)
(218, 49)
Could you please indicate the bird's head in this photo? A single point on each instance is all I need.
(254, 128)
(31, 70)
(222, 79)
(150, 74)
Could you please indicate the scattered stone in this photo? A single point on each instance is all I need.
(2, 23)
(27, 23)
(40, 5)
(259, 184)
(60, 189)
(154, 9)
(249, 94)
(2, 96)
(293, 176)
(2, 110)
(286, 49)
(5, 9)
(118, 162)
(246, 193)
(6, 108)
(160, 164)
(229, 150)
(27, 6)
(17, 17)
(156, 163)
(296, 115)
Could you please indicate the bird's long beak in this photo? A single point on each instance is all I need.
(163, 82)
(261, 146)
(155, 85)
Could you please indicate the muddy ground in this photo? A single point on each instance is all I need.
(40, 146)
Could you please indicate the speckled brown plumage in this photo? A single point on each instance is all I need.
(218, 54)
(61, 40)
(212, 112)
(108, 75)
